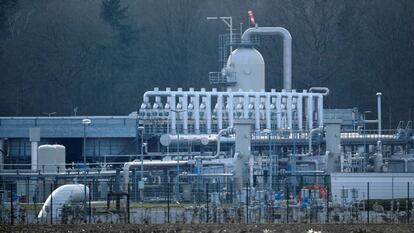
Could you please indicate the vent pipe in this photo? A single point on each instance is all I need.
(287, 49)
(379, 112)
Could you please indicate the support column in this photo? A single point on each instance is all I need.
(333, 144)
(243, 134)
(34, 135)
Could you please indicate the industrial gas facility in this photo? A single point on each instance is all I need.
(239, 151)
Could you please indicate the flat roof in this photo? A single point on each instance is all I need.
(69, 126)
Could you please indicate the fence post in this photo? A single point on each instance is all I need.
(327, 198)
(90, 195)
(207, 211)
(247, 203)
(287, 202)
(51, 203)
(11, 205)
(128, 211)
(408, 202)
(168, 203)
(367, 202)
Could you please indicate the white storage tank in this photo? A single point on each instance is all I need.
(51, 158)
(248, 66)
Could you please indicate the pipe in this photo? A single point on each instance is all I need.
(65, 194)
(405, 161)
(287, 49)
(208, 112)
(320, 110)
(208, 174)
(311, 132)
(279, 111)
(197, 113)
(129, 165)
(221, 132)
(289, 111)
(185, 113)
(245, 99)
(310, 112)
(231, 110)
(315, 162)
(220, 112)
(268, 113)
(379, 113)
(319, 90)
(257, 112)
(299, 109)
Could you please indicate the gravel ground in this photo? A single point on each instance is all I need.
(213, 228)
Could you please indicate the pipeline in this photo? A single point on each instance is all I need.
(311, 132)
(129, 165)
(287, 49)
(320, 89)
(221, 132)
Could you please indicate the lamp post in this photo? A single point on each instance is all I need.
(85, 123)
(178, 150)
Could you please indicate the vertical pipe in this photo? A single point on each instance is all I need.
(289, 111)
(172, 113)
(268, 115)
(257, 112)
(320, 110)
(220, 112)
(299, 108)
(185, 113)
(287, 49)
(279, 110)
(379, 112)
(197, 113)
(310, 111)
(231, 110)
(34, 145)
(208, 113)
(245, 106)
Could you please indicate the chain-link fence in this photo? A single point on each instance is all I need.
(290, 199)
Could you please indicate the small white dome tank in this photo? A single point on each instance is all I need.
(51, 158)
(249, 67)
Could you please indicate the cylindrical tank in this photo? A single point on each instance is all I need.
(51, 158)
(249, 67)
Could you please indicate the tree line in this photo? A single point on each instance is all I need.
(98, 57)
